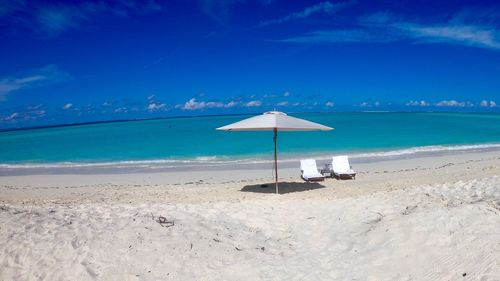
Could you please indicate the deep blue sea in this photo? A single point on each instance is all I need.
(195, 140)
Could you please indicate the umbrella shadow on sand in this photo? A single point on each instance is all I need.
(285, 187)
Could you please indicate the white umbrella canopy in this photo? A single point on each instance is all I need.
(274, 121)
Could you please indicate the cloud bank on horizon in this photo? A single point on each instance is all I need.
(101, 60)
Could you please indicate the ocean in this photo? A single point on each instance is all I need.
(194, 141)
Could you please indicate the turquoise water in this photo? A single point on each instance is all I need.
(195, 139)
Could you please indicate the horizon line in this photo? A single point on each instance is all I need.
(61, 125)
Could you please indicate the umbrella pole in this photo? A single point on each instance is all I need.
(276, 158)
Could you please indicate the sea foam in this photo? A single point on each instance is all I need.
(214, 161)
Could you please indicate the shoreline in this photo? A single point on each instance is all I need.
(233, 184)
(213, 163)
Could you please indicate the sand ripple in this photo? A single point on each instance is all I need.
(432, 232)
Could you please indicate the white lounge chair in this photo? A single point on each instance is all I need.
(341, 167)
(310, 170)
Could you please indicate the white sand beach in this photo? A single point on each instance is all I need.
(427, 218)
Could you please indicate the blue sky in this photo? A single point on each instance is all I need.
(65, 62)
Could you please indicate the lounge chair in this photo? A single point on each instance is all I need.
(310, 171)
(341, 168)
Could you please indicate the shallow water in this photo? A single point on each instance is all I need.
(185, 141)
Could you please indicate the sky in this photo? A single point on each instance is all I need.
(84, 61)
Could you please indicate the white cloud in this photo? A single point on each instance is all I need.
(283, 103)
(155, 106)
(485, 103)
(194, 104)
(329, 104)
(232, 104)
(214, 104)
(322, 7)
(31, 114)
(369, 104)
(254, 103)
(286, 94)
(34, 107)
(417, 103)
(340, 36)
(12, 117)
(478, 36)
(384, 27)
(451, 103)
(120, 110)
(67, 106)
(34, 112)
(35, 78)
(151, 97)
(106, 104)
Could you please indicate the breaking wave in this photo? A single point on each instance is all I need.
(214, 161)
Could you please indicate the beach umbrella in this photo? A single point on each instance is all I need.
(274, 121)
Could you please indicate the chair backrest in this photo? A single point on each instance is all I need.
(308, 166)
(340, 163)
